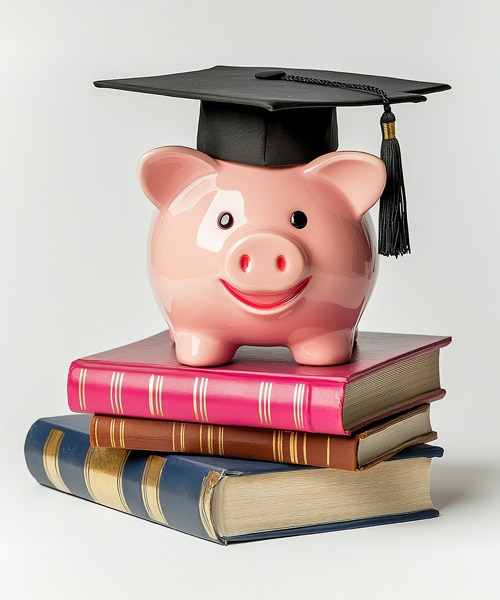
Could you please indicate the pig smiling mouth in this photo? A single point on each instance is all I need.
(267, 300)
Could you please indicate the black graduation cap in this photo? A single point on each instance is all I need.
(276, 117)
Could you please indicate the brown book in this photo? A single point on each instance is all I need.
(361, 450)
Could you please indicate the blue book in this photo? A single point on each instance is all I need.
(228, 500)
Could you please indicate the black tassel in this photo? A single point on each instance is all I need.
(393, 237)
(393, 224)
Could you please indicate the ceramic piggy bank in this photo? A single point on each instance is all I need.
(264, 256)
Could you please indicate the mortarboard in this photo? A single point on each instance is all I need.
(273, 117)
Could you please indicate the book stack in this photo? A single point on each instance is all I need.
(261, 447)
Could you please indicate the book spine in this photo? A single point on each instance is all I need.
(294, 447)
(248, 400)
(156, 488)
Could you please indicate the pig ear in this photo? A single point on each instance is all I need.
(164, 172)
(359, 177)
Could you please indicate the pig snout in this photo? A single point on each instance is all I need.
(265, 262)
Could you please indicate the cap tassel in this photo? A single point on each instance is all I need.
(393, 236)
(393, 224)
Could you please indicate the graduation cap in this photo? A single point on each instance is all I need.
(276, 117)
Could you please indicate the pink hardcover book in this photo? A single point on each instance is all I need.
(261, 387)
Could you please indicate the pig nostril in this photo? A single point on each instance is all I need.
(281, 262)
(245, 263)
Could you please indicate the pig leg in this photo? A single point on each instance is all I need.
(332, 348)
(202, 351)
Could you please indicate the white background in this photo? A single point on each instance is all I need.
(73, 233)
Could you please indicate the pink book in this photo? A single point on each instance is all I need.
(261, 387)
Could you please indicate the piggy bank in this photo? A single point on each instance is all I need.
(262, 256)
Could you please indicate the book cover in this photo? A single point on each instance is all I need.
(361, 450)
(261, 387)
(228, 500)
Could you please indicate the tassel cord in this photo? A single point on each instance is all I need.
(393, 223)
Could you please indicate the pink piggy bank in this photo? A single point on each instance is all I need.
(262, 256)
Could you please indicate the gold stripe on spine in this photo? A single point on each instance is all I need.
(298, 405)
(122, 433)
(212, 478)
(302, 396)
(328, 451)
(269, 404)
(204, 398)
(265, 391)
(82, 400)
(389, 130)
(280, 445)
(51, 459)
(274, 446)
(261, 388)
(112, 391)
(201, 439)
(304, 447)
(103, 472)
(115, 392)
(158, 389)
(195, 399)
(210, 439)
(112, 433)
(295, 405)
(155, 392)
(122, 375)
(95, 421)
(150, 394)
(159, 392)
(157, 411)
(173, 436)
(295, 437)
(183, 439)
(150, 488)
(200, 398)
(221, 441)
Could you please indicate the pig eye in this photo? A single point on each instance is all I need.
(225, 220)
(298, 219)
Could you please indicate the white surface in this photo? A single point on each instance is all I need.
(73, 231)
